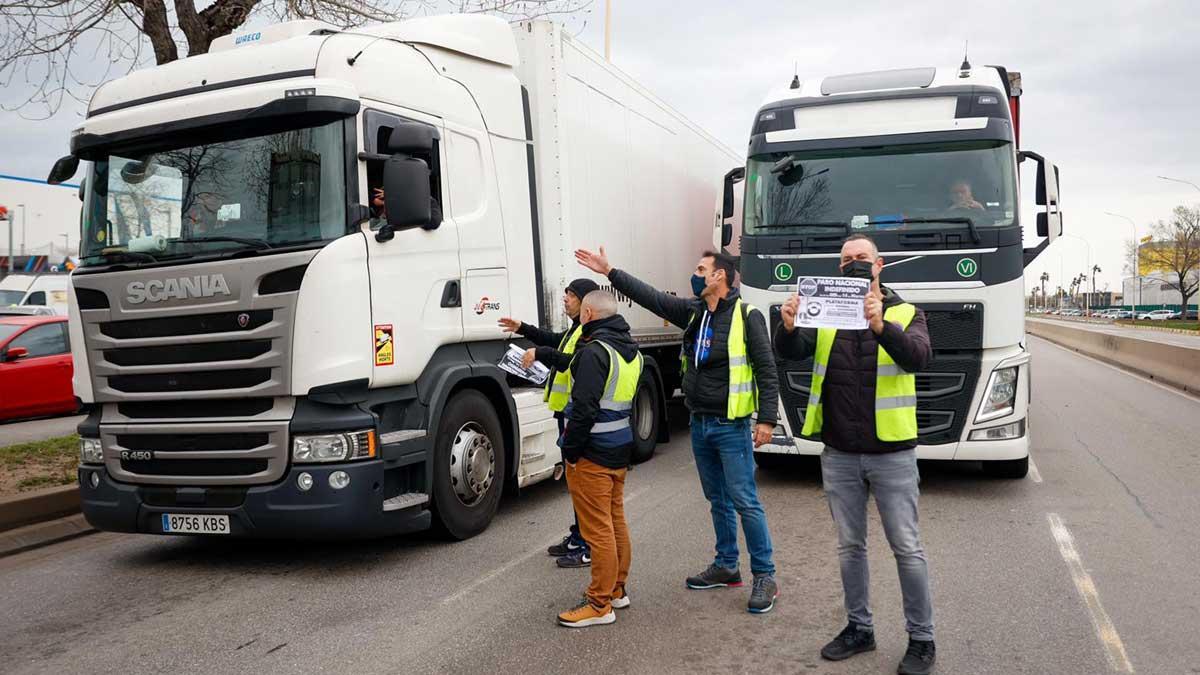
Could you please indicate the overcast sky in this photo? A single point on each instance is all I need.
(1111, 92)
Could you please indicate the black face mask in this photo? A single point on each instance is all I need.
(859, 269)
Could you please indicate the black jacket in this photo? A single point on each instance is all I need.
(547, 342)
(706, 382)
(848, 395)
(589, 369)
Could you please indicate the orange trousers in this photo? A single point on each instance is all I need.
(598, 493)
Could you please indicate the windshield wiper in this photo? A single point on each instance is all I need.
(255, 243)
(845, 225)
(117, 255)
(903, 221)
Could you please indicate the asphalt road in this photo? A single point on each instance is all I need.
(1148, 334)
(12, 433)
(1088, 566)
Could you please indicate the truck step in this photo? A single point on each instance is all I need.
(405, 501)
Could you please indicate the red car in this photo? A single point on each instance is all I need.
(35, 367)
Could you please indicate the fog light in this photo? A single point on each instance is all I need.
(1004, 433)
(304, 481)
(94, 479)
(339, 480)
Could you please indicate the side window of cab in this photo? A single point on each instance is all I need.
(379, 126)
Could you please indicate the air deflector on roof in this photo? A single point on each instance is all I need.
(883, 79)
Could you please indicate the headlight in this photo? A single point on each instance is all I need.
(1004, 433)
(1001, 395)
(333, 447)
(90, 451)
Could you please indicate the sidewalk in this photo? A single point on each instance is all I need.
(12, 433)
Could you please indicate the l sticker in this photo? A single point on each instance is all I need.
(385, 354)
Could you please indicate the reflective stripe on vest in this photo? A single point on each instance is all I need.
(742, 398)
(611, 427)
(558, 388)
(895, 389)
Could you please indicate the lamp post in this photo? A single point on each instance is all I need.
(1137, 247)
(1087, 300)
(24, 222)
(1180, 180)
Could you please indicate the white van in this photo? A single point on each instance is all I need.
(41, 290)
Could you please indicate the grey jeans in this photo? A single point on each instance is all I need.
(893, 479)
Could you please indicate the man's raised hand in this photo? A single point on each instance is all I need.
(788, 313)
(509, 325)
(596, 262)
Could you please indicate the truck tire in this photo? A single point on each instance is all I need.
(468, 466)
(1012, 469)
(646, 419)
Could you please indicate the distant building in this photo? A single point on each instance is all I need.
(1155, 291)
(40, 215)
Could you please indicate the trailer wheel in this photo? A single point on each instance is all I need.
(468, 466)
(646, 419)
(1011, 469)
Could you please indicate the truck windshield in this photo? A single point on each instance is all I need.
(905, 187)
(279, 190)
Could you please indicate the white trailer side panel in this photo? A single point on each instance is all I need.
(615, 167)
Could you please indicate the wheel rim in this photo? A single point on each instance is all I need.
(472, 464)
(644, 413)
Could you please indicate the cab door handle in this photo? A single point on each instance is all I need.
(451, 295)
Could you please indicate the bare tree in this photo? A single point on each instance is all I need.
(1177, 250)
(55, 50)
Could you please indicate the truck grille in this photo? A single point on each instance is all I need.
(195, 324)
(204, 381)
(197, 453)
(195, 467)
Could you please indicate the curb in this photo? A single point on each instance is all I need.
(38, 506)
(43, 534)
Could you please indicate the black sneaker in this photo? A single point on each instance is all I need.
(581, 557)
(852, 640)
(568, 545)
(762, 597)
(918, 658)
(715, 577)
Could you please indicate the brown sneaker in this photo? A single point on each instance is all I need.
(620, 599)
(586, 615)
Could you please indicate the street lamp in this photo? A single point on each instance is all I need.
(1137, 246)
(1180, 180)
(24, 221)
(1087, 305)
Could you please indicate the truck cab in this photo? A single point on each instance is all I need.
(925, 162)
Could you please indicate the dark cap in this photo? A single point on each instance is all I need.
(581, 287)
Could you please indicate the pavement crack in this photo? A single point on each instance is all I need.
(247, 644)
(276, 648)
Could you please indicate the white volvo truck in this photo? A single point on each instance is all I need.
(269, 358)
(925, 161)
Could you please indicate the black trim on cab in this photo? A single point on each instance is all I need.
(203, 88)
(543, 317)
(996, 130)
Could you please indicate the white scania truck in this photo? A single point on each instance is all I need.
(270, 358)
(924, 161)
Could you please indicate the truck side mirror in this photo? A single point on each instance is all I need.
(735, 175)
(405, 194)
(1049, 222)
(726, 234)
(63, 169)
(411, 138)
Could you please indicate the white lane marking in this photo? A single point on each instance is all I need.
(1034, 474)
(1114, 649)
(1182, 394)
(521, 559)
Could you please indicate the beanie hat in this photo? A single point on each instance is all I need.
(581, 287)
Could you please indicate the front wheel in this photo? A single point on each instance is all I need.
(468, 466)
(646, 419)
(1007, 468)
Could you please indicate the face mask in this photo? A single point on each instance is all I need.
(699, 283)
(859, 269)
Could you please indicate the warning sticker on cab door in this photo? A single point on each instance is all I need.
(385, 351)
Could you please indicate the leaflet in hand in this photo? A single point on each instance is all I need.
(511, 362)
(832, 302)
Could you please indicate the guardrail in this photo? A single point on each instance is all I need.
(1170, 364)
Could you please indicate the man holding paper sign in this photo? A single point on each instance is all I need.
(863, 405)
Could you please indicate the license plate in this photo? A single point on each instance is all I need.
(175, 523)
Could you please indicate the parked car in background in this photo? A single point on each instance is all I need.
(37, 290)
(26, 310)
(1158, 315)
(35, 367)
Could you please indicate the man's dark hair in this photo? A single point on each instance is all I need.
(861, 237)
(725, 263)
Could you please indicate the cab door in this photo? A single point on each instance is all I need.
(416, 279)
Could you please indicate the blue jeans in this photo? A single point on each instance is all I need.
(725, 461)
(893, 479)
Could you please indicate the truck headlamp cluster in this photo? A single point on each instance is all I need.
(90, 451)
(1001, 395)
(314, 449)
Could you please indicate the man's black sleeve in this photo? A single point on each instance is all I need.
(590, 372)
(553, 359)
(539, 337)
(766, 377)
(908, 347)
(670, 307)
(797, 345)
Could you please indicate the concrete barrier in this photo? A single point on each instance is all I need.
(1170, 364)
(38, 506)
